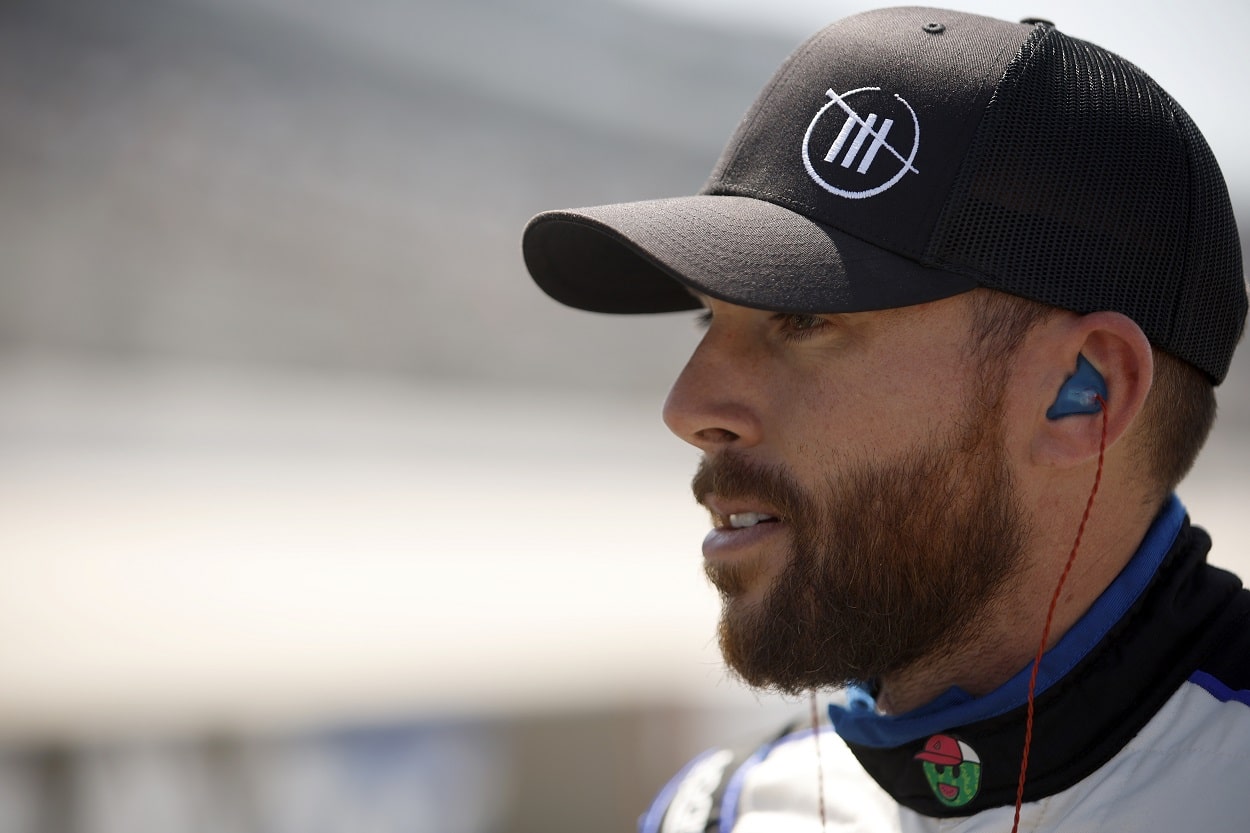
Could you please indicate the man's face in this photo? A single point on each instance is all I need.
(853, 467)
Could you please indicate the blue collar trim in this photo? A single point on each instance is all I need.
(859, 722)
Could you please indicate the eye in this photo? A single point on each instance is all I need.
(799, 321)
(798, 325)
(704, 319)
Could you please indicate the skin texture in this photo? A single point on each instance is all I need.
(825, 399)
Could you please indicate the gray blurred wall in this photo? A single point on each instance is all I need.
(340, 186)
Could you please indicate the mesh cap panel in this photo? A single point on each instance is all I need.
(1071, 193)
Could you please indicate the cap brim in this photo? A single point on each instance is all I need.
(644, 257)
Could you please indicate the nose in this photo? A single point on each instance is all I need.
(711, 405)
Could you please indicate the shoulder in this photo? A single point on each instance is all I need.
(1186, 769)
(773, 786)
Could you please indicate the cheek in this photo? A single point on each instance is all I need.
(828, 407)
(828, 423)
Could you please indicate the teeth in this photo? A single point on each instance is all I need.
(742, 520)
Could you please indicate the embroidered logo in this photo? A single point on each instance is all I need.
(861, 142)
(953, 770)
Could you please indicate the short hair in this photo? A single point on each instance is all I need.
(1000, 322)
(1178, 413)
(1176, 417)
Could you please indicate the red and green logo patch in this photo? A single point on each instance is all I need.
(952, 768)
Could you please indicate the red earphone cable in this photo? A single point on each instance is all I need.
(1050, 615)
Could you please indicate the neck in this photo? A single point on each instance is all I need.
(1010, 627)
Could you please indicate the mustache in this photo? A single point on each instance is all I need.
(732, 476)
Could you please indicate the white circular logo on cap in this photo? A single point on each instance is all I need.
(861, 142)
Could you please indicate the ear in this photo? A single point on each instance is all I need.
(1119, 352)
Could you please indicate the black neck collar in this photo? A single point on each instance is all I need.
(1084, 719)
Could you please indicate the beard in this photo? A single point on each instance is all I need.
(889, 563)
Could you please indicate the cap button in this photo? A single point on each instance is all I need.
(934, 28)
(1034, 21)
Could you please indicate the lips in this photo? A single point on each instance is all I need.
(949, 791)
(737, 526)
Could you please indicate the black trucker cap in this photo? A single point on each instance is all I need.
(909, 154)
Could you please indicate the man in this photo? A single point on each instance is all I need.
(968, 286)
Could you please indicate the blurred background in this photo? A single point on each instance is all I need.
(315, 515)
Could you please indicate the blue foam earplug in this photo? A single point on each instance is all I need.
(1079, 394)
